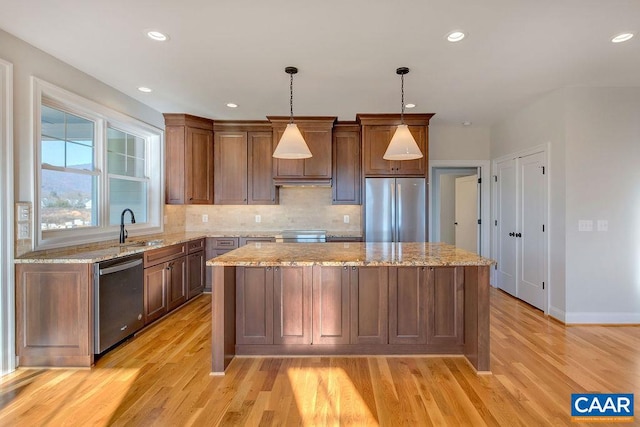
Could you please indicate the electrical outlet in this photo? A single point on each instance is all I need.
(603, 225)
(346, 219)
(258, 218)
(205, 218)
(23, 231)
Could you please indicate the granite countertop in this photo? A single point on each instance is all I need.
(354, 254)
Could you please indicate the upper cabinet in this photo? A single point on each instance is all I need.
(188, 159)
(243, 163)
(347, 177)
(316, 132)
(377, 131)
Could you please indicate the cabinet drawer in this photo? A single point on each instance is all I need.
(250, 240)
(195, 246)
(225, 242)
(167, 253)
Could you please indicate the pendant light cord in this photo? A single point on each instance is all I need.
(291, 98)
(402, 92)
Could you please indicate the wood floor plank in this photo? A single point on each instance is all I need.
(161, 377)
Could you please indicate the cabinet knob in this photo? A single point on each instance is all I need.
(345, 267)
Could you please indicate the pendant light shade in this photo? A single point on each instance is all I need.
(292, 144)
(402, 146)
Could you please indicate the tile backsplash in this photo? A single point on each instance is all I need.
(300, 208)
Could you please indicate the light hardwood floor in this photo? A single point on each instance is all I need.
(161, 377)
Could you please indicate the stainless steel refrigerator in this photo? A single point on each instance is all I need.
(395, 210)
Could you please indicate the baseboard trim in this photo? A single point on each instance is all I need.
(557, 314)
(602, 318)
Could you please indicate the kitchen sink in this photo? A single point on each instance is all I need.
(140, 243)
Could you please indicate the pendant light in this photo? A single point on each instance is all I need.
(402, 146)
(291, 144)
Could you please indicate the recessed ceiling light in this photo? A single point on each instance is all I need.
(232, 105)
(157, 36)
(466, 123)
(622, 38)
(455, 36)
(410, 106)
(144, 89)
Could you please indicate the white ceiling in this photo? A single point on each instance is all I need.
(347, 51)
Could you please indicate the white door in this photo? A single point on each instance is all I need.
(506, 217)
(467, 215)
(530, 231)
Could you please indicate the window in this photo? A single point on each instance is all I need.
(93, 163)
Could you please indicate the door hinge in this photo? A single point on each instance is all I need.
(479, 221)
(479, 180)
(543, 285)
(543, 170)
(496, 222)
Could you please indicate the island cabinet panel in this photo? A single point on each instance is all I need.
(446, 305)
(331, 305)
(188, 159)
(254, 305)
(347, 179)
(408, 305)
(369, 305)
(54, 309)
(292, 305)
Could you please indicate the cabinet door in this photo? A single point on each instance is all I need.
(446, 305)
(331, 305)
(408, 305)
(292, 305)
(199, 166)
(319, 142)
(176, 272)
(195, 273)
(347, 181)
(417, 167)
(174, 165)
(254, 305)
(155, 293)
(261, 189)
(375, 142)
(230, 159)
(369, 299)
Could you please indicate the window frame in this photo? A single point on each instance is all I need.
(45, 93)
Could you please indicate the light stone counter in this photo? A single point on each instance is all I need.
(350, 254)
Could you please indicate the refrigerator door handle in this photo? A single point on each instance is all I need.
(399, 213)
(392, 206)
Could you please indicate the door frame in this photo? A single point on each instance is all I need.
(484, 172)
(7, 293)
(546, 150)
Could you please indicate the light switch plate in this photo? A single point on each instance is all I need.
(205, 218)
(346, 219)
(258, 218)
(585, 225)
(603, 225)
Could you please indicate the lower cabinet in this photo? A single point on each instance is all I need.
(350, 305)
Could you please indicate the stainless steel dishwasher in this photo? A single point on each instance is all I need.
(118, 300)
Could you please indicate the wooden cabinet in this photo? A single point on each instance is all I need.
(254, 240)
(188, 159)
(369, 305)
(292, 288)
(347, 179)
(408, 296)
(54, 309)
(243, 164)
(377, 131)
(331, 305)
(445, 309)
(254, 305)
(317, 169)
(196, 265)
(165, 280)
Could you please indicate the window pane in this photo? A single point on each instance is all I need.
(67, 200)
(117, 163)
(79, 130)
(53, 151)
(52, 122)
(116, 141)
(138, 148)
(125, 194)
(131, 150)
(66, 140)
(79, 156)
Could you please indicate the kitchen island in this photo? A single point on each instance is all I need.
(350, 298)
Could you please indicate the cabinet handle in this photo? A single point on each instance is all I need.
(268, 268)
(353, 268)
(345, 267)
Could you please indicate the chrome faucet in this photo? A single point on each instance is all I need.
(123, 232)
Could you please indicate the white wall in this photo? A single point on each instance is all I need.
(29, 61)
(603, 182)
(540, 123)
(459, 142)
